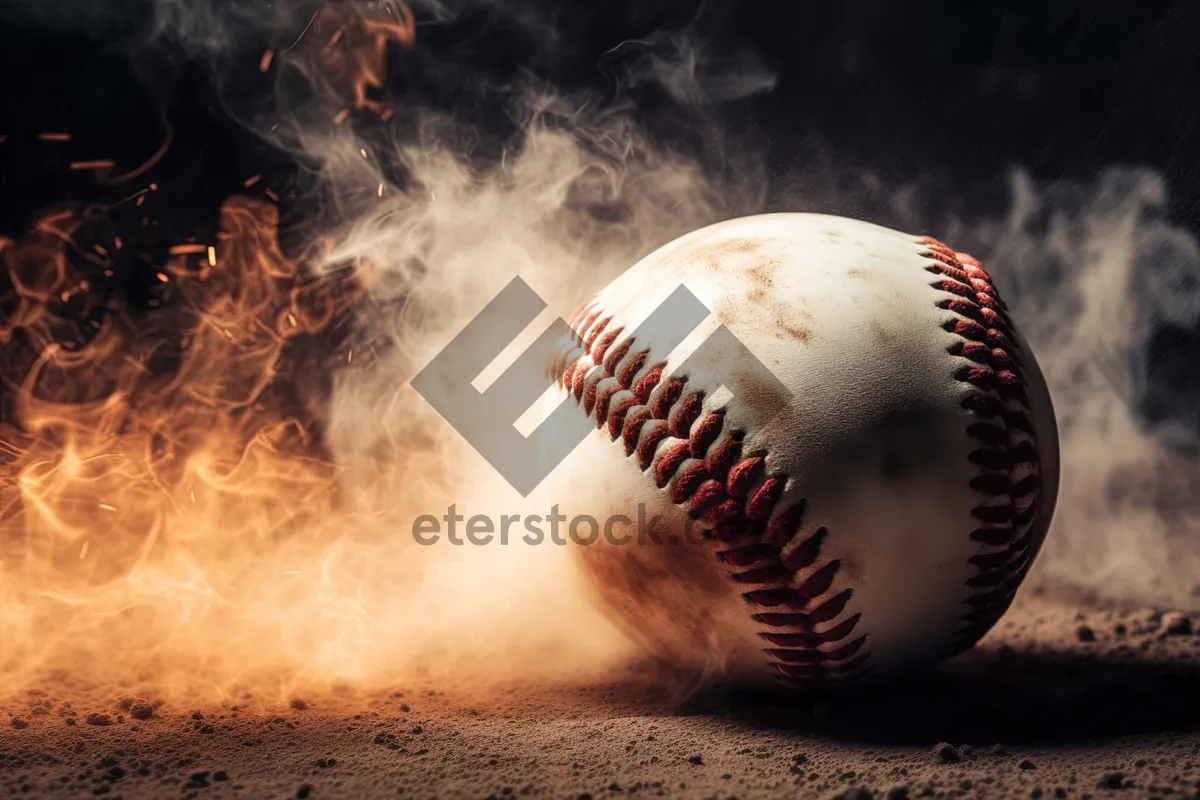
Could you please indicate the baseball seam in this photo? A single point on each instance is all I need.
(1008, 463)
(799, 603)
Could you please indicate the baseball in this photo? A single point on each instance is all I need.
(839, 471)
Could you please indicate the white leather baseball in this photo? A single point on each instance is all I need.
(879, 520)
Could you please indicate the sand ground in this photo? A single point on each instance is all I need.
(1067, 698)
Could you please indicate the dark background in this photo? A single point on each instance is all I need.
(949, 94)
(905, 89)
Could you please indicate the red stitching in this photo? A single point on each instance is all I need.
(707, 470)
(1006, 450)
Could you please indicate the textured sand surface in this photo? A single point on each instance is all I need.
(1067, 698)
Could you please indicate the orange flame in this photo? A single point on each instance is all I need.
(353, 42)
(126, 454)
(182, 514)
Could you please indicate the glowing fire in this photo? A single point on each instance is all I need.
(174, 519)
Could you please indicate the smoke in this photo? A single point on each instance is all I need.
(571, 190)
(1105, 286)
(1097, 275)
(251, 564)
(1095, 271)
